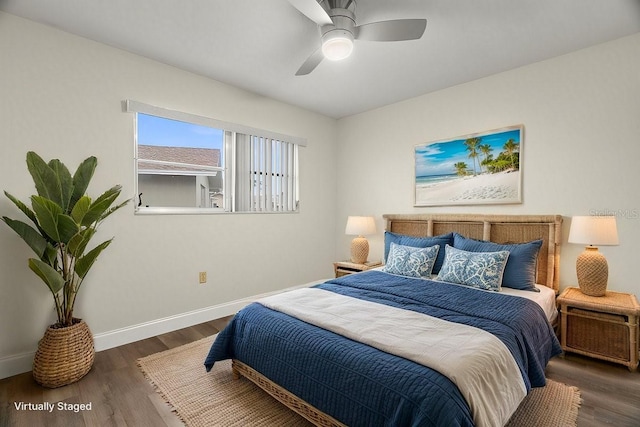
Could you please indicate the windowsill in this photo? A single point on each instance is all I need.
(176, 211)
(198, 211)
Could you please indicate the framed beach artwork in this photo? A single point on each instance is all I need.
(482, 168)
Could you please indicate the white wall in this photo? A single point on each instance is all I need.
(60, 95)
(581, 114)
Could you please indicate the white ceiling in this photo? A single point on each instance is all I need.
(258, 45)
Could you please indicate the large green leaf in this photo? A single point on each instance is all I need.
(31, 236)
(66, 183)
(47, 213)
(48, 274)
(82, 178)
(83, 265)
(46, 180)
(78, 243)
(67, 228)
(81, 208)
(114, 208)
(51, 255)
(31, 215)
(57, 225)
(50, 252)
(24, 208)
(101, 205)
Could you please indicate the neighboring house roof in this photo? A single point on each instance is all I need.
(187, 155)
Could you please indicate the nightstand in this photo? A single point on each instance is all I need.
(602, 327)
(342, 268)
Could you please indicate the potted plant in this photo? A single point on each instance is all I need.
(65, 220)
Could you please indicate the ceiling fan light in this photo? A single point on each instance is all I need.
(337, 45)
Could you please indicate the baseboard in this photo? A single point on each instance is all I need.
(20, 363)
(16, 364)
(118, 337)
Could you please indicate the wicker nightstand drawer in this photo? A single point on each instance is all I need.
(598, 333)
(601, 327)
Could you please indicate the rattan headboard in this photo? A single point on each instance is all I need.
(494, 228)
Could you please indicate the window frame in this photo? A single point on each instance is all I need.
(229, 153)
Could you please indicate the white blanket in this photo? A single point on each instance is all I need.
(476, 361)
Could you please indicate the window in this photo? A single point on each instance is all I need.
(191, 164)
(179, 164)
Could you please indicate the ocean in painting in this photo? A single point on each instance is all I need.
(435, 179)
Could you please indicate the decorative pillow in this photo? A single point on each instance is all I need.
(520, 272)
(419, 242)
(410, 261)
(482, 270)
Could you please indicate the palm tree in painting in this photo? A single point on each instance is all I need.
(472, 147)
(486, 150)
(510, 147)
(489, 163)
(461, 168)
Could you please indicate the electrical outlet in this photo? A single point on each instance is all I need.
(203, 277)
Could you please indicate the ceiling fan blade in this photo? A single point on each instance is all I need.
(311, 63)
(391, 31)
(312, 10)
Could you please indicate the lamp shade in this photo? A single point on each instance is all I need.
(360, 226)
(594, 230)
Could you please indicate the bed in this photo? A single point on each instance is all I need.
(383, 348)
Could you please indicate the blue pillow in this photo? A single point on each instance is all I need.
(419, 242)
(482, 270)
(410, 261)
(520, 272)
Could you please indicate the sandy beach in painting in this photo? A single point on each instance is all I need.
(485, 188)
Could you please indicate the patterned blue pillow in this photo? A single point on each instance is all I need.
(520, 271)
(418, 242)
(482, 270)
(410, 261)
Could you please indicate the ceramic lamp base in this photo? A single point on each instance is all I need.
(593, 272)
(359, 250)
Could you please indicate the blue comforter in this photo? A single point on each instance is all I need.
(362, 386)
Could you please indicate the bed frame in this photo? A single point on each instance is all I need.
(495, 228)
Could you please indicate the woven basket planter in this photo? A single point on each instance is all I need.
(64, 355)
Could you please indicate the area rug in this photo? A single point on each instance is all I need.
(216, 399)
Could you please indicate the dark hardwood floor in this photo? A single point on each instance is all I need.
(121, 396)
(610, 392)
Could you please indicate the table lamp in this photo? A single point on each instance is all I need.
(360, 226)
(591, 265)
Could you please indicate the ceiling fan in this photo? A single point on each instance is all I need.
(337, 22)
